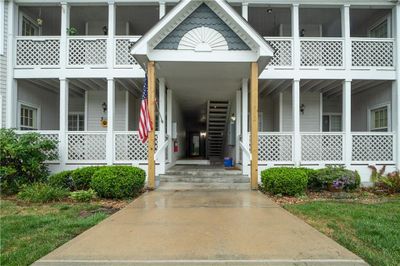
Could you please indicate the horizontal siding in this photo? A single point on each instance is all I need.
(3, 68)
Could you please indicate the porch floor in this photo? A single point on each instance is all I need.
(202, 227)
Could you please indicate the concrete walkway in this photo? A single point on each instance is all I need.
(202, 227)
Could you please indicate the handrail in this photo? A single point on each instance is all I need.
(246, 150)
(161, 148)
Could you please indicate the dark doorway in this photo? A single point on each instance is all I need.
(195, 145)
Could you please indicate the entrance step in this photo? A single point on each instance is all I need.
(203, 186)
(204, 179)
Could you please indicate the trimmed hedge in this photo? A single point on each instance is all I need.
(82, 177)
(285, 181)
(62, 179)
(118, 181)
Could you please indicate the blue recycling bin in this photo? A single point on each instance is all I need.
(228, 162)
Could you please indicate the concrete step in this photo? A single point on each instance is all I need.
(204, 179)
(203, 186)
(204, 173)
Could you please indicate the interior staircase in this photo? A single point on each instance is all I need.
(217, 116)
(203, 177)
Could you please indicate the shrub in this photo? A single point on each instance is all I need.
(62, 179)
(389, 183)
(338, 178)
(83, 195)
(41, 192)
(82, 177)
(22, 159)
(284, 180)
(118, 181)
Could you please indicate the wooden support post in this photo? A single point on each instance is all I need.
(254, 124)
(151, 79)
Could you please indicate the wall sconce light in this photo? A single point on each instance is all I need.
(302, 107)
(269, 10)
(233, 118)
(203, 134)
(105, 30)
(104, 106)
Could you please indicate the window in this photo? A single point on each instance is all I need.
(380, 29)
(28, 117)
(29, 27)
(76, 122)
(379, 119)
(332, 123)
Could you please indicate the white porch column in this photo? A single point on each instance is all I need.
(345, 10)
(63, 145)
(396, 85)
(245, 11)
(110, 120)
(296, 121)
(11, 100)
(238, 124)
(245, 125)
(162, 9)
(161, 119)
(65, 8)
(296, 36)
(346, 121)
(169, 124)
(111, 34)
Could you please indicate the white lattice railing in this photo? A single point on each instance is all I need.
(86, 147)
(275, 147)
(326, 147)
(372, 52)
(373, 147)
(87, 51)
(128, 148)
(37, 51)
(283, 56)
(321, 52)
(123, 47)
(52, 135)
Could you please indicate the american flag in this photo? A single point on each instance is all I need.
(145, 125)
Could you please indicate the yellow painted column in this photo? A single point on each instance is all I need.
(151, 79)
(254, 124)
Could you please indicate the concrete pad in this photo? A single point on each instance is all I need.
(202, 227)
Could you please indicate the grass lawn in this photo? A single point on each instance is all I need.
(30, 231)
(371, 231)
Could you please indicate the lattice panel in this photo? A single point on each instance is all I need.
(87, 52)
(54, 138)
(38, 53)
(321, 53)
(283, 53)
(316, 148)
(87, 147)
(275, 148)
(128, 147)
(372, 53)
(370, 148)
(123, 55)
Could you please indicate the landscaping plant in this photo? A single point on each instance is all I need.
(389, 183)
(42, 192)
(83, 195)
(118, 181)
(82, 177)
(62, 179)
(334, 178)
(285, 181)
(22, 159)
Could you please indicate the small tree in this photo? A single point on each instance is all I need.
(22, 159)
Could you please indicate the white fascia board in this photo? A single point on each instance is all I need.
(214, 56)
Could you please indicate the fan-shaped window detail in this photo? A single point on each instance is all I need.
(203, 39)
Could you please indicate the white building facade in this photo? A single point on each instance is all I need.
(327, 92)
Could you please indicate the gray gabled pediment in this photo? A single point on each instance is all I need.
(203, 25)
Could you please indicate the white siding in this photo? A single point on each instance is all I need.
(133, 114)
(332, 105)
(47, 100)
(361, 102)
(310, 120)
(3, 69)
(266, 106)
(95, 110)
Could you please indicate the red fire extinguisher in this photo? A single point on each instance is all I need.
(176, 148)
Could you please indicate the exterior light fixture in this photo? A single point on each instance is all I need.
(233, 118)
(269, 10)
(302, 107)
(203, 134)
(104, 106)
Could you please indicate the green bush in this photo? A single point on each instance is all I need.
(83, 195)
(334, 177)
(82, 177)
(42, 192)
(22, 159)
(284, 180)
(62, 179)
(118, 181)
(389, 183)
